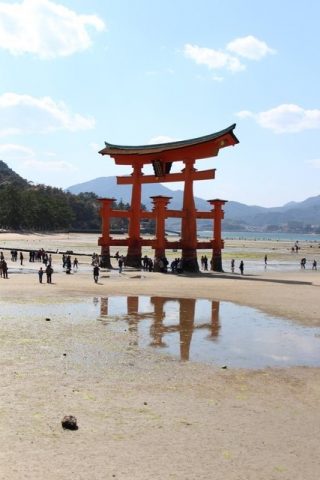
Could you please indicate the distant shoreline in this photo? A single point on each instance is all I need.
(265, 236)
(228, 235)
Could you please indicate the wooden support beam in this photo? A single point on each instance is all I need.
(123, 242)
(207, 215)
(127, 214)
(120, 213)
(171, 177)
(208, 245)
(175, 213)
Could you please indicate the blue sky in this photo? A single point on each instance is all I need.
(76, 73)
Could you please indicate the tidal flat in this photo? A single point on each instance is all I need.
(144, 414)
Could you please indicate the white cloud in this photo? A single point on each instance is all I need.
(217, 78)
(244, 114)
(45, 28)
(50, 166)
(213, 59)
(315, 162)
(50, 154)
(26, 157)
(161, 139)
(286, 118)
(26, 114)
(13, 151)
(249, 47)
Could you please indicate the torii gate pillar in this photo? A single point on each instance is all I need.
(216, 260)
(104, 241)
(189, 222)
(133, 258)
(160, 206)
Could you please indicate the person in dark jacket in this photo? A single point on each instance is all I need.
(49, 272)
(96, 271)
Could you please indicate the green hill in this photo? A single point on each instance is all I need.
(8, 176)
(25, 206)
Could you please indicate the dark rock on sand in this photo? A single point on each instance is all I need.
(69, 422)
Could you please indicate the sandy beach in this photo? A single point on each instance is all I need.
(142, 415)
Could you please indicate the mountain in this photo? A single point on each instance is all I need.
(107, 187)
(8, 176)
(305, 212)
(237, 215)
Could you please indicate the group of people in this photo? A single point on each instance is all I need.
(48, 271)
(67, 263)
(34, 256)
(204, 262)
(14, 256)
(176, 265)
(160, 264)
(295, 248)
(95, 259)
(303, 263)
(148, 264)
(241, 266)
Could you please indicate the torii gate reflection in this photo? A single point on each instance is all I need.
(158, 330)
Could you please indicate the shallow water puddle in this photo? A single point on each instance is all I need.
(220, 333)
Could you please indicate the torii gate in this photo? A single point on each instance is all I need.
(161, 156)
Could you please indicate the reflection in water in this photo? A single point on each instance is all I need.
(200, 330)
(209, 331)
(184, 324)
(104, 306)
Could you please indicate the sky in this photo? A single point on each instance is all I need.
(77, 73)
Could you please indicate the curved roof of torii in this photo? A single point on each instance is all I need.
(196, 148)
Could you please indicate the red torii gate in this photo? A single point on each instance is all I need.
(161, 156)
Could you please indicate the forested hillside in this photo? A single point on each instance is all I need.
(25, 206)
(40, 207)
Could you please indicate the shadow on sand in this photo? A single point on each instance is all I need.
(237, 276)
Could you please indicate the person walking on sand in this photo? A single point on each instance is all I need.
(21, 258)
(4, 269)
(120, 263)
(49, 272)
(96, 271)
(232, 265)
(40, 273)
(241, 267)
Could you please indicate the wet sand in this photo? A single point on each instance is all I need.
(143, 415)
